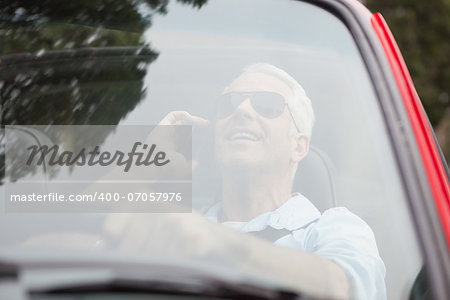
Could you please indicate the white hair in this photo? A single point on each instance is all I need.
(300, 106)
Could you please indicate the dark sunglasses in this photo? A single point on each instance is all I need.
(268, 104)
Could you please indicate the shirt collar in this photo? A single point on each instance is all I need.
(294, 214)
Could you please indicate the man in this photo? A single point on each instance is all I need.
(263, 127)
(262, 130)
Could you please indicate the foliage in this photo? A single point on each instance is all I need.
(422, 30)
(73, 62)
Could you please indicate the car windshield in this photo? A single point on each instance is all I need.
(242, 100)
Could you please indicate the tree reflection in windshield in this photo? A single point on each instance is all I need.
(81, 63)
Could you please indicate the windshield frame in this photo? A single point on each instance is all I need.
(409, 163)
(402, 140)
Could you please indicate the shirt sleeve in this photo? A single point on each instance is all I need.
(347, 240)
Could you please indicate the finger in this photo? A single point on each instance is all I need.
(175, 117)
(162, 235)
(183, 118)
(198, 121)
(138, 230)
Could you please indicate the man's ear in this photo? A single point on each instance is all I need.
(300, 147)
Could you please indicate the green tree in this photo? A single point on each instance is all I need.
(422, 30)
(73, 63)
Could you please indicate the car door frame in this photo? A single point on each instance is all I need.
(420, 162)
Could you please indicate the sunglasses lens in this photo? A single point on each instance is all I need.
(268, 104)
(227, 103)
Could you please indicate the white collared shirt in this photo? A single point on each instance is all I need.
(337, 234)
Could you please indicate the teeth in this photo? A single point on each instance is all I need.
(243, 135)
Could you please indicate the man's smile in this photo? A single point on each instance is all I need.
(242, 134)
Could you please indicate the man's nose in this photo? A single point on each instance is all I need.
(245, 108)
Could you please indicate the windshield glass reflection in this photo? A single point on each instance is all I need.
(283, 128)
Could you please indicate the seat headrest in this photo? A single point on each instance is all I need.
(315, 179)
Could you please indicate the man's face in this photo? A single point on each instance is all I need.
(245, 138)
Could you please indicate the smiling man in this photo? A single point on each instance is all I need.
(258, 140)
(262, 130)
